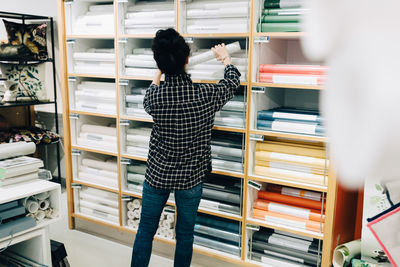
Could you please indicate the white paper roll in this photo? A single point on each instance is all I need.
(130, 206)
(137, 203)
(40, 215)
(170, 217)
(51, 213)
(11, 150)
(32, 206)
(209, 55)
(98, 129)
(344, 253)
(44, 204)
(131, 214)
(136, 214)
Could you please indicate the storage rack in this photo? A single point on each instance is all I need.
(28, 106)
(253, 39)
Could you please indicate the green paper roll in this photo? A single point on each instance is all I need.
(284, 11)
(282, 3)
(281, 19)
(278, 27)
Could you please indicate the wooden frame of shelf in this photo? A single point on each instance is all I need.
(251, 36)
(104, 188)
(112, 116)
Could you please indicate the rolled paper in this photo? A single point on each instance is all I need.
(169, 234)
(293, 69)
(152, 22)
(220, 246)
(32, 206)
(292, 79)
(291, 200)
(99, 214)
(294, 211)
(99, 207)
(234, 105)
(141, 72)
(209, 55)
(285, 253)
(219, 195)
(112, 175)
(88, 196)
(51, 213)
(170, 217)
(137, 203)
(40, 215)
(105, 165)
(227, 165)
(19, 179)
(302, 150)
(283, 3)
(96, 179)
(44, 204)
(131, 214)
(226, 12)
(94, 69)
(100, 193)
(85, 56)
(217, 233)
(344, 253)
(274, 261)
(167, 224)
(212, 5)
(279, 27)
(151, 6)
(152, 14)
(130, 206)
(231, 152)
(291, 167)
(294, 192)
(280, 19)
(218, 223)
(11, 150)
(98, 137)
(291, 126)
(291, 175)
(284, 11)
(286, 220)
(292, 159)
(137, 168)
(98, 129)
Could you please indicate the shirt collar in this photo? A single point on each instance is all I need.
(178, 78)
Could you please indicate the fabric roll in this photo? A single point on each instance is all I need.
(94, 206)
(280, 19)
(281, 240)
(218, 223)
(291, 175)
(296, 193)
(213, 244)
(287, 148)
(292, 159)
(278, 27)
(275, 261)
(286, 220)
(105, 165)
(98, 199)
(44, 204)
(295, 211)
(11, 150)
(209, 55)
(32, 206)
(292, 79)
(293, 69)
(219, 195)
(229, 236)
(98, 129)
(99, 214)
(217, 205)
(285, 253)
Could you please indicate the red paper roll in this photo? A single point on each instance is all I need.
(297, 201)
(293, 69)
(291, 78)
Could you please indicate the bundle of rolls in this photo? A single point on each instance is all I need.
(98, 137)
(137, 141)
(290, 207)
(135, 176)
(232, 113)
(205, 16)
(217, 233)
(95, 61)
(96, 97)
(40, 207)
(99, 204)
(301, 163)
(227, 152)
(99, 171)
(147, 17)
(134, 102)
(140, 63)
(98, 18)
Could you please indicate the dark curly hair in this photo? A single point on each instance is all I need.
(170, 51)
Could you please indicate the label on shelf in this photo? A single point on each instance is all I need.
(123, 40)
(258, 89)
(169, 210)
(74, 116)
(76, 152)
(126, 161)
(122, 1)
(261, 39)
(123, 82)
(189, 40)
(124, 122)
(127, 198)
(71, 41)
(68, 1)
(72, 79)
(254, 185)
(76, 186)
(257, 137)
(250, 226)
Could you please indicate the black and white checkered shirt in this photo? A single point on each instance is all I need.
(183, 114)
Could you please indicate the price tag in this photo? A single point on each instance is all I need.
(76, 152)
(189, 40)
(71, 41)
(254, 227)
(74, 116)
(124, 122)
(72, 79)
(76, 186)
(127, 198)
(126, 161)
(123, 40)
(254, 185)
(123, 82)
(258, 89)
(257, 137)
(261, 39)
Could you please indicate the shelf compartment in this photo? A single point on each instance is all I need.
(278, 248)
(97, 204)
(91, 57)
(143, 18)
(95, 169)
(89, 18)
(203, 18)
(232, 116)
(93, 132)
(131, 96)
(135, 138)
(92, 96)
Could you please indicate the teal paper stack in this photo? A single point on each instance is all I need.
(281, 16)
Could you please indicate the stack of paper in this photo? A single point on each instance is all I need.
(95, 61)
(98, 137)
(96, 97)
(137, 141)
(99, 172)
(134, 102)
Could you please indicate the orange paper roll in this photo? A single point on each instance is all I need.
(291, 200)
(287, 220)
(291, 78)
(294, 192)
(293, 69)
(292, 159)
(301, 177)
(290, 210)
(302, 150)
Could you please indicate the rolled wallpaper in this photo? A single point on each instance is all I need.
(294, 192)
(99, 214)
(94, 56)
(209, 55)
(206, 230)
(220, 195)
(109, 165)
(217, 205)
(280, 147)
(100, 193)
(292, 159)
(87, 196)
(11, 150)
(218, 223)
(98, 129)
(227, 165)
(344, 253)
(102, 208)
(217, 245)
(293, 79)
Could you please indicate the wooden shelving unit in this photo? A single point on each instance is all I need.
(253, 38)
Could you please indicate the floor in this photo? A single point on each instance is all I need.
(86, 250)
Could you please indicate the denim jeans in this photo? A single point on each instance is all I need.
(187, 203)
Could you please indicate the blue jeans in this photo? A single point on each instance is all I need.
(187, 203)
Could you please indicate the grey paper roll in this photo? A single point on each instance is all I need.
(222, 196)
(228, 248)
(202, 229)
(17, 149)
(218, 223)
(31, 206)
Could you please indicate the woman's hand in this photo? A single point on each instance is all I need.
(222, 54)
(157, 78)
